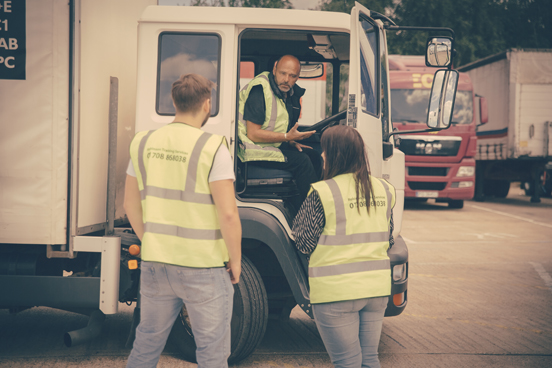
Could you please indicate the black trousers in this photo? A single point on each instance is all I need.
(305, 166)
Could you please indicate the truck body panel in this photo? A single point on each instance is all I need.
(104, 44)
(515, 143)
(34, 132)
(518, 87)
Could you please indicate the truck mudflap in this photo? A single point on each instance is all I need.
(398, 255)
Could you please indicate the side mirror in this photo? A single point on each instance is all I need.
(441, 101)
(311, 70)
(483, 110)
(439, 51)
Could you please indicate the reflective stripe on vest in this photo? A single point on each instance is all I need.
(187, 195)
(276, 120)
(180, 225)
(349, 262)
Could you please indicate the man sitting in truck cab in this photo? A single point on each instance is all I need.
(269, 108)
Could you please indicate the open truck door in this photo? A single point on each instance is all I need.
(368, 112)
(364, 109)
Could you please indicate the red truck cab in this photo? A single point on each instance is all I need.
(441, 164)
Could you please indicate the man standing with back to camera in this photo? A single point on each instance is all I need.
(269, 108)
(179, 199)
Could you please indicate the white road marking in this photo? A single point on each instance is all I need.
(543, 274)
(492, 235)
(513, 216)
(409, 240)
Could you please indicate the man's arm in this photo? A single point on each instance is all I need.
(133, 205)
(230, 224)
(259, 135)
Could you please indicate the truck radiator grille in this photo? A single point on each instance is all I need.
(421, 185)
(420, 147)
(428, 171)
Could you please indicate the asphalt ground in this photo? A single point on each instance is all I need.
(480, 295)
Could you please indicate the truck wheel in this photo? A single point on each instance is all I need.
(502, 187)
(249, 318)
(497, 188)
(456, 203)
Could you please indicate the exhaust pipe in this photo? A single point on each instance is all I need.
(87, 333)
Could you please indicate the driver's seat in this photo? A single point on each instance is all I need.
(256, 181)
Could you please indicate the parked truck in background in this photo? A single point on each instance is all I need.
(86, 79)
(439, 165)
(516, 143)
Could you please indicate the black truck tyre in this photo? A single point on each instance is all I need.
(496, 188)
(502, 188)
(249, 318)
(456, 203)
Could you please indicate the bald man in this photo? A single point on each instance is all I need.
(270, 106)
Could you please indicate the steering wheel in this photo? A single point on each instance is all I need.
(328, 122)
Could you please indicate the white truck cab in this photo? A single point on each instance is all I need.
(214, 42)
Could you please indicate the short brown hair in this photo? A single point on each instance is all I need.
(190, 91)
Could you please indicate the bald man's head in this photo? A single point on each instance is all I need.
(286, 72)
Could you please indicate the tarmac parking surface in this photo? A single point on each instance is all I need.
(479, 295)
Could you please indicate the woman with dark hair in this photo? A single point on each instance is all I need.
(346, 226)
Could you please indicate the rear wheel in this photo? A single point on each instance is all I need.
(456, 203)
(249, 318)
(497, 188)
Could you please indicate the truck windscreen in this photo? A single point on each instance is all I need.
(410, 105)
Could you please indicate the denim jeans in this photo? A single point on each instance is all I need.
(208, 296)
(351, 330)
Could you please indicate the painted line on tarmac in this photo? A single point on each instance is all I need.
(513, 216)
(409, 240)
(543, 274)
(540, 332)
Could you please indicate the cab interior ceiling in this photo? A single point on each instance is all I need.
(271, 44)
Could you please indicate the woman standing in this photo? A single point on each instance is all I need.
(345, 224)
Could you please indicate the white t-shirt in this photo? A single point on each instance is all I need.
(222, 168)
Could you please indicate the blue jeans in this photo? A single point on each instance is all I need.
(208, 296)
(351, 330)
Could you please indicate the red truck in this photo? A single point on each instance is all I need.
(439, 164)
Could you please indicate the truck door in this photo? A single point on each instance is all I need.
(182, 48)
(364, 110)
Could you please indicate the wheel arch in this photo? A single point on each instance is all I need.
(263, 227)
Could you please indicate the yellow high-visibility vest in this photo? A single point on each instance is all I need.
(181, 226)
(276, 120)
(350, 260)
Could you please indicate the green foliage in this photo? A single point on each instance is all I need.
(482, 27)
(245, 3)
(345, 6)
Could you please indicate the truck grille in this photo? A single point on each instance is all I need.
(428, 171)
(420, 185)
(429, 146)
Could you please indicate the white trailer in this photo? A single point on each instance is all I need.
(516, 142)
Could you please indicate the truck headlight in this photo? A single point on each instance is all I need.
(466, 171)
(399, 272)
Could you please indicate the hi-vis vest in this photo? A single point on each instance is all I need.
(276, 120)
(350, 261)
(181, 226)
